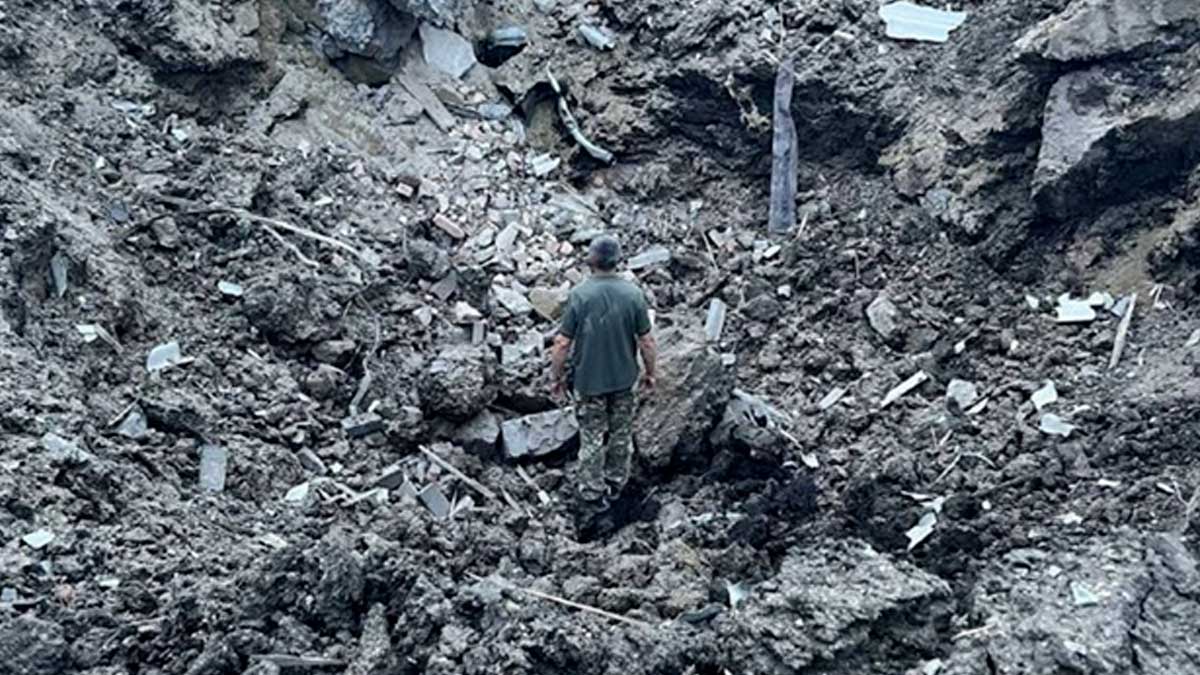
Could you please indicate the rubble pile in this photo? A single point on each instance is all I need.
(279, 276)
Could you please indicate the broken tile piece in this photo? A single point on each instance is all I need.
(230, 289)
(921, 531)
(1055, 426)
(163, 356)
(134, 425)
(38, 540)
(1082, 596)
(539, 434)
(1044, 396)
(297, 494)
(213, 463)
(435, 500)
(449, 226)
(910, 21)
(511, 300)
(357, 426)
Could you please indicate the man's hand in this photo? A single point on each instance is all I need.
(649, 383)
(558, 363)
(558, 388)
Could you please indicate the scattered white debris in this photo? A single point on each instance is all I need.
(1107, 483)
(1045, 396)
(1166, 488)
(1193, 340)
(1075, 311)
(1082, 596)
(921, 531)
(1055, 426)
(1101, 299)
(163, 356)
(1033, 302)
(109, 583)
(230, 289)
(737, 593)
(832, 398)
(297, 494)
(38, 540)
(1070, 518)
(910, 21)
(917, 379)
(274, 541)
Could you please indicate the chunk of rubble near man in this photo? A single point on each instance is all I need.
(654, 256)
(511, 300)
(549, 302)
(540, 434)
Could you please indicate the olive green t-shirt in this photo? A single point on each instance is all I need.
(605, 316)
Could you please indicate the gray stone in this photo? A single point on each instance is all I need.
(693, 388)
(1055, 426)
(447, 51)
(763, 308)
(369, 28)
(334, 352)
(8, 595)
(134, 425)
(357, 426)
(597, 37)
(374, 645)
(214, 461)
(480, 435)
(1093, 30)
(427, 260)
(961, 394)
(309, 460)
(540, 434)
(1106, 136)
(1044, 396)
(458, 384)
(549, 303)
(829, 597)
(1136, 615)
(59, 264)
(62, 450)
(230, 289)
(323, 382)
(883, 316)
(298, 494)
(31, 646)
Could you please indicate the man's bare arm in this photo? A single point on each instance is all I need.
(558, 360)
(649, 348)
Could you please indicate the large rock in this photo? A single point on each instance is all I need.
(1091, 30)
(839, 597)
(178, 36)
(693, 387)
(1118, 604)
(1107, 135)
(458, 384)
(30, 646)
(369, 28)
(539, 435)
(479, 435)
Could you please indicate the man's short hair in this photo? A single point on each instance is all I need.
(605, 252)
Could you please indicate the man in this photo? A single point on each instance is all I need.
(607, 323)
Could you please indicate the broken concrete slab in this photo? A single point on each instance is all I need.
(363, 424)
(1105, 137)
(1110, 604)
(214, 462)
(230, 289)
(435, 500)
(1044, 396)
(309, 460)
(134, 426)
(513, 301)
(693, 388)
(369, 28)
(61, 450)
(540, 434)
(1075, 311)
(549, 303)
(654, 256)
(163, 356)
(480, 435)
(597, 37)
(961, 395)
(298, 494)
(1055, 426)
(446, 51)
(1093, 30)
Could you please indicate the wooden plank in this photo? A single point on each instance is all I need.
(429, 101)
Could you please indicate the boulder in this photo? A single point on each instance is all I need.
(1106, 136)
(838, 597)
(479, 435)
(540, 434)
(674, 422)
(184, 36)
(31, 646)
(369, 28)
(458, 384)
(447, 51)
(1091, 30)
(1115, 604)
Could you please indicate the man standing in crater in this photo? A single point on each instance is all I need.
(605, 325)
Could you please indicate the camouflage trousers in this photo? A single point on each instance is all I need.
(604, 463)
